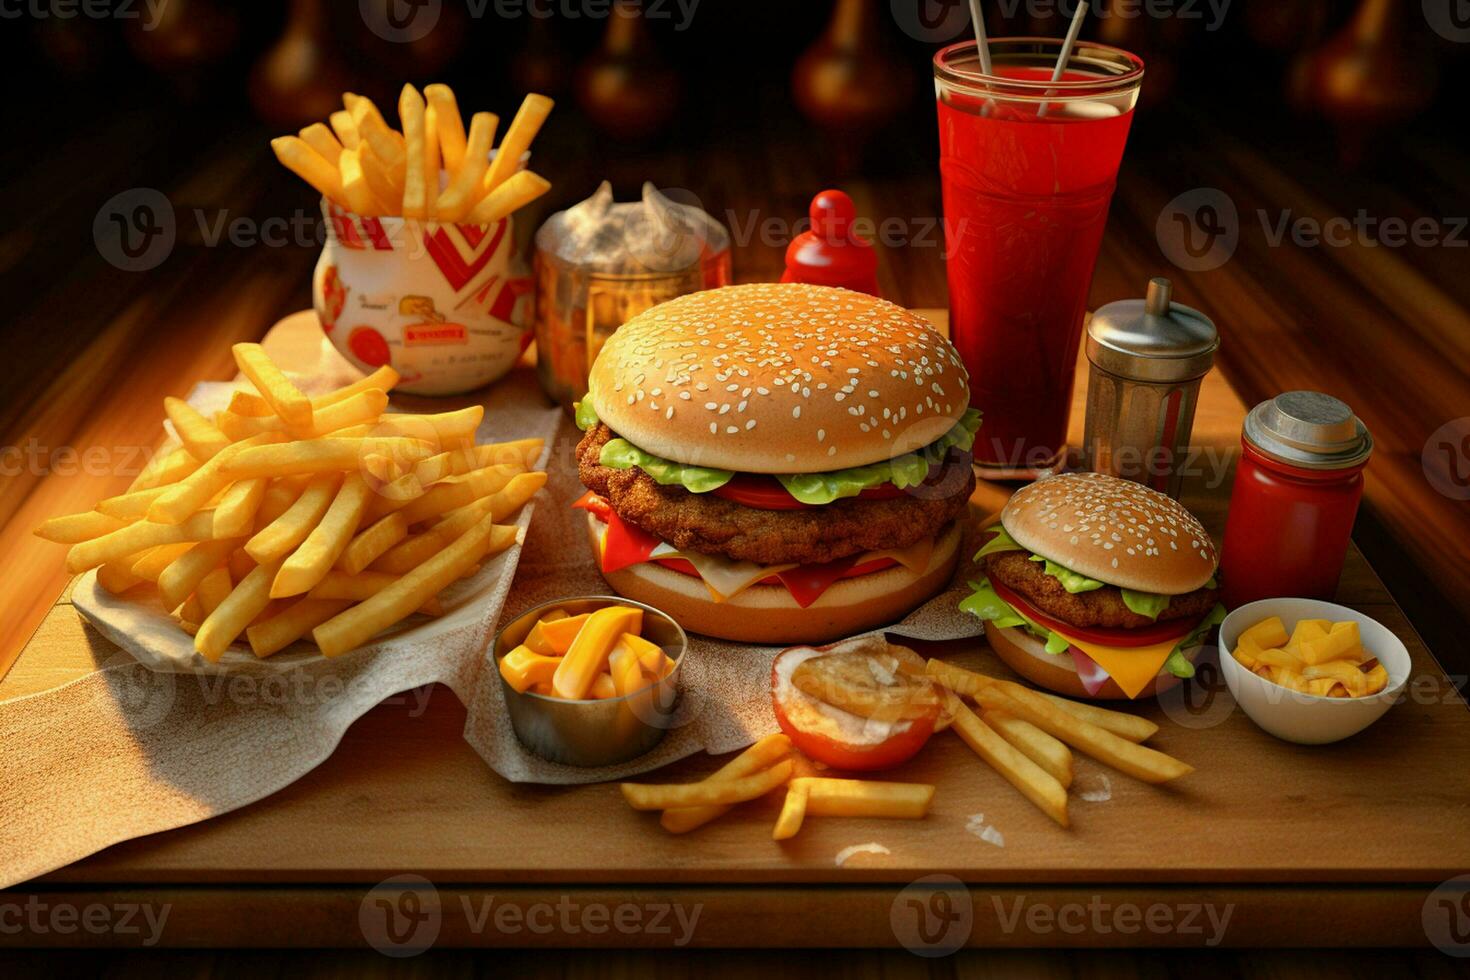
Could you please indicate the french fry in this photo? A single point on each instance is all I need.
(382, 379)
(518, 190)
(387, 143)
(76, 528)
(213, 589)
(1034, 782)
(464, 189)
(588, 654)
(1138, 761)
(320, 138)
(191, 614)
(280, 537)
(310, 166)
(523, 668)
(457, 461)
(865, 798)
(328, 454)
(131, 506)
(279, 496)
(135, 538)
(554, 637)
(431, 160)
(117, 576)
(345, 128)
(370, 543)
(285, 399)
(274, 634)
(447, 497)
(340, 585)
(450, 125)
(354, 626)
(603, 687)
(355, 187)
(762, 755)
(246, 601)
(234, 515)
(523, 129)
(626, 671)
(1050, 753)
(198, 488)
(1120, 723)
(365, 406)
(197, 433)
(240, 564)
(711, 792)
(385, 181)
(184, 575)
(793, 811)
(446, 428)
(311, 561)
(151, 563)
(415, 180)
(165, 468)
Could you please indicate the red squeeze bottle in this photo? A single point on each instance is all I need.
(830, 254)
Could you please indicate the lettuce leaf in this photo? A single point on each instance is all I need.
(1177, 664)
(985, 604)
(1001, 542)
(586, 416)
(1073, 582)
(1145, 603)
(907, 470)
(620, 454)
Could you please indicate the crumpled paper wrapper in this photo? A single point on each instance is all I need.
(128, 751)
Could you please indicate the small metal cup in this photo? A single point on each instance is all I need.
(593, 733)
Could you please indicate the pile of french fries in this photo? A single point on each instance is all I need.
(286, 516)
(766, 766)
(1025, 736)
(431, 169)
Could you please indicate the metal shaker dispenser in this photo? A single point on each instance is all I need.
(1147, 359)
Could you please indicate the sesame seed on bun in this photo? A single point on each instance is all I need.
(779, 378)
(1116, 531)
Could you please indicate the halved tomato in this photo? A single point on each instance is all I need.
(1168, 629)
(825, 733)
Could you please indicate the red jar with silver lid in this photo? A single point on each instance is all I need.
(1296, 493)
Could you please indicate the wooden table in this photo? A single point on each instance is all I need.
(1263, 829)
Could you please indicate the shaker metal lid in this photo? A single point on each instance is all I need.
(1310, 430)
(1152, 339)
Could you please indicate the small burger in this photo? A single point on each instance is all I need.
(777, 463)
(1097, 587)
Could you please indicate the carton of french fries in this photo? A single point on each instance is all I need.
(285, 518)
(419, 269)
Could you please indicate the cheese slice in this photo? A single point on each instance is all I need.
(725, 578)
(916, 557)
(1131, 667)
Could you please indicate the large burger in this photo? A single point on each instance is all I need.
(777, 463)
(1097, 587)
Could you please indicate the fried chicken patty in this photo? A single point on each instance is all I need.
(1100, 607)
(712, 525)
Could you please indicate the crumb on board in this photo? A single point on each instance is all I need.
(872, 847)
(976, 825)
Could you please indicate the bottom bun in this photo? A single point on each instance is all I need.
(1027, 656)
(767, 614)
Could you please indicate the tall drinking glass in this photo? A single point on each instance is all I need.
(1028, 167)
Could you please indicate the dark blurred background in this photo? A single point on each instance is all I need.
(1288, 108)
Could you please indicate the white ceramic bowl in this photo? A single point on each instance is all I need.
(1306, 718)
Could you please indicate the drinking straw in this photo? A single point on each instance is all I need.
(1067, 46)
(978, 20)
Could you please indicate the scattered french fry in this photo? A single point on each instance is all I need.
(762, 755)
(793, 811)
(285, 399)
(711, 792)
(1048, 752)
(865, 798)
(76, 528)
(1034, 782)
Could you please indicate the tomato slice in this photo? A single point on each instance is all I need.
(761, 492)
(593, 504)
(893, 751)
(1169, 629)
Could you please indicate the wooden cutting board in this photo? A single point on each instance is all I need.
(1366, 828)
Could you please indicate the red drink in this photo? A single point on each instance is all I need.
(1028, 168)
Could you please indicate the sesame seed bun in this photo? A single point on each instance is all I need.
(1113, 530)
(767, 614)
(1027, 656)
(779, 378)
